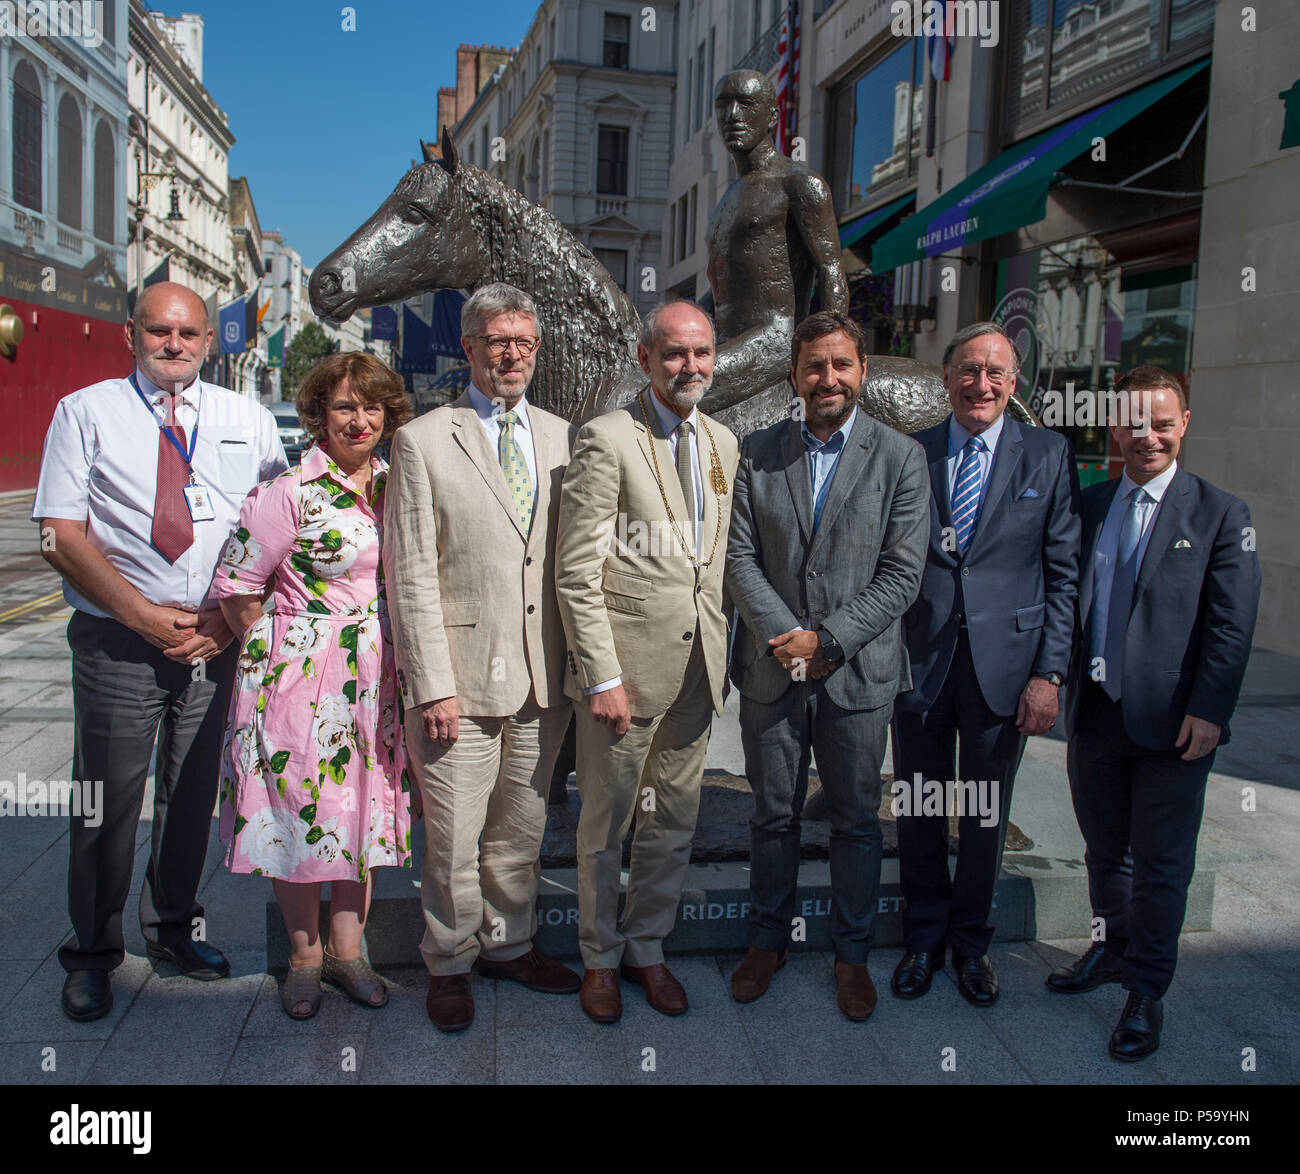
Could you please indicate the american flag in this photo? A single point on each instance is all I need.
(941, 47)
(787, 78)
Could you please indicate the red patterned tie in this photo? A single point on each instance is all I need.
(173, 529)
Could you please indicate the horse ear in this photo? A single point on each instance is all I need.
(428, 151)
(450, 160)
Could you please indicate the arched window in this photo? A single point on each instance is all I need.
(105, 187)
(27, 137)
(69, 162)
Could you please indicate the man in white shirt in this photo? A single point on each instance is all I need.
(140, 487)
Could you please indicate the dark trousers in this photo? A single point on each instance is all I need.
(778, 739)
(126, 697)
(958, 739)
(1140, 812)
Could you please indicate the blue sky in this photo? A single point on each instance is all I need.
(327, 121)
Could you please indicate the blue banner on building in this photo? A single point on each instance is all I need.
(383, 323)
(232, 327)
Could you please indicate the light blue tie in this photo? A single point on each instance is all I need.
(1122, 583)
(966, 493)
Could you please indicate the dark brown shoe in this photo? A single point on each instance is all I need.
(534, 970)
(662, 991)
(599, 996)
(754, 974)
(449, 1002)
(856, 992)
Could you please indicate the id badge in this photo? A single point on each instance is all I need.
(200, 503)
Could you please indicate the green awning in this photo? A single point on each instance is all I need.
(1011, 191)
(859, 226)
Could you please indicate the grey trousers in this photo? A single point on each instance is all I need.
(127, 696)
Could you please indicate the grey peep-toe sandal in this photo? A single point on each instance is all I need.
(301, 985)
(355, 979)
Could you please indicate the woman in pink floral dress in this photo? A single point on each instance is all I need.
(313, 780)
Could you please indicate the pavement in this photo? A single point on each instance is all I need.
(1232, 1016)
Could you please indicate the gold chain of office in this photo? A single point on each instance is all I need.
(717, 479)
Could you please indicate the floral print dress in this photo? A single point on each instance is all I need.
(314, 784)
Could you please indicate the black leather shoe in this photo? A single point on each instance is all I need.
(86, 995)
(194, 959)
(1138, 1032)
(1096, 968)
(976, 979)
(913, 973)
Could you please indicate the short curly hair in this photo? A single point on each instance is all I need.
(375, 382)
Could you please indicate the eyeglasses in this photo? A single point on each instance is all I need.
(997, 376)
(498, 344)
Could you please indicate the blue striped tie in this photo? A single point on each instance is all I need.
(966, 493)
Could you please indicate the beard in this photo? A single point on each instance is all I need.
(826, 414)
(686, 393)
(503, 390)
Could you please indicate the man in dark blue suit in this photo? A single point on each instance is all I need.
(989, 641)
(1168, 596)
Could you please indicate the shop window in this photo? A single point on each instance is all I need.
(1064, 53)
(876, 128)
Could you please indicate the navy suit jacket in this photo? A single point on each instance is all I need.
(1194, 607)
(1017, 584)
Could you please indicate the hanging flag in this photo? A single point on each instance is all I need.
(415, 342)
(250, 319)
(232, 327)
(383, 323)
(275, 348)
(943, 44)
(262, 312)
(445, 339)
(787, 79)
(160, 272)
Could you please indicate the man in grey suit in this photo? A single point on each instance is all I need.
(828, 535)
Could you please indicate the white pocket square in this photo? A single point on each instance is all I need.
(1182, 544)
(1030, 492)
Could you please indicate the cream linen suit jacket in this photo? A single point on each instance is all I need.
(472, 598)
(629, 597)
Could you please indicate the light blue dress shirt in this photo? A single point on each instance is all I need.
(489, 414)
(823, 456)
(957, 438)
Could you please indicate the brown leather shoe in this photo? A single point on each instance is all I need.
(754, 974)
(534, 970)
(599, 996)
(449, 1002)
(857, 993)
(662, 991)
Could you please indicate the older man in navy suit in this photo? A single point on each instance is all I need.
(989, 641)
(1168, 597)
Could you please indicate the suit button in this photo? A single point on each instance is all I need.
(965, 570)
(686, 635)
(531, 609)
(698, 590)
(812, 574)
(528, 562)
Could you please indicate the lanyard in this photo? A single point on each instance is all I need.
(188, 458)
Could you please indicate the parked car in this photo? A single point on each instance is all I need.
(292, 434)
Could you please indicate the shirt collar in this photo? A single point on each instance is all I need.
(836, 440)
(958, 435)
(1155, 488)
(489, 411)
(316, 464)
(668, 419)
(155, 394)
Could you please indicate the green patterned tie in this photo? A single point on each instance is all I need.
(515, 468)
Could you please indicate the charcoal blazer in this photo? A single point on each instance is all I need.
(855, 575)
(1017, 584)
(1194, 608)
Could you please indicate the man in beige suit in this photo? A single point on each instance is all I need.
(469, 551)
(643, 533)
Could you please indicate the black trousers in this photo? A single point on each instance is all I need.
(128, 698)
(958, 739)
(1140, 812)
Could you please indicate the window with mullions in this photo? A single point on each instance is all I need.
(611, 160)
(876, 127)
(1064, 51)
(617, 35)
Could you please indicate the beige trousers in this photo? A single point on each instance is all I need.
(653, 772)
(490, 785)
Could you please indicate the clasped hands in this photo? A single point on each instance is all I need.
(800, 654)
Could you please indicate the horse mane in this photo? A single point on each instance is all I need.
(589, 326)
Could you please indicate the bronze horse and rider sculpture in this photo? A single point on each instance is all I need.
(772, 241)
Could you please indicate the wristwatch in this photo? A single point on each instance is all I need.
(1051, 678)
(831, 650)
